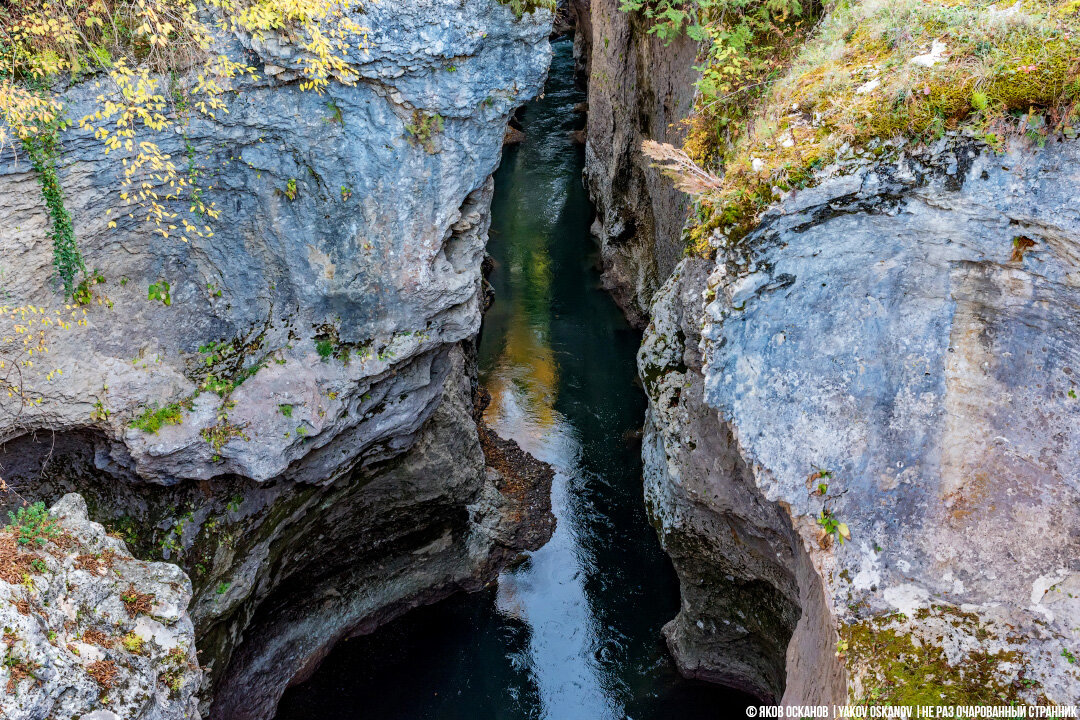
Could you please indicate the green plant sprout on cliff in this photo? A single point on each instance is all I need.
(290, 192)
(424, 128)
(833, 526)
(152, 419)
(818, 484)
(159, 291)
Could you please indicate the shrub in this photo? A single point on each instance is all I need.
(424, 128)
(33, 525)
(50, 44)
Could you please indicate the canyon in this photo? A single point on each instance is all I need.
(861, 435)
(317, 464)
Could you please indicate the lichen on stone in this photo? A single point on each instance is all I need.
(942, 656)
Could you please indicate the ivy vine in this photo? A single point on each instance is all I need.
(43, 149)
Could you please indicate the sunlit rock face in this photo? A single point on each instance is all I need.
(318, 345)
(88, 621)
(894, 350)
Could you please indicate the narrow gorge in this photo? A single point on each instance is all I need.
(470, 359)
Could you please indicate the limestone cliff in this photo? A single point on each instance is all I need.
(638, 88)
(286, 408)
(879, 353)
(861, 443)
(89, 631)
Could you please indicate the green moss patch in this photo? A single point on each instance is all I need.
(898, 664)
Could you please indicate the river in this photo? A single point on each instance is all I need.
(574, 631)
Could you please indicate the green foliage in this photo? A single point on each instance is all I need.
(225, 366)
(33, 525)
(48, 46)
(833, 526)
(740, 38)
(325, 348)
(425, 128)
(773, 108)
(84, 292)
(173, 676)
(133, 643)
(979, 101)
(43, 148)
(520, 7)
(159, 291)
(346, 193)
(18, 669)
(124, 527)
(286, 410)
(222, 588)
(899, 668)
(1067, 654)
(290, 190)
(669, 18)
(153, 419)
(335, 113)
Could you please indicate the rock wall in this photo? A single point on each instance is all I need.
(89, 631)
(891, 350)
(911, 326)
(639, 89)
(319, 467)
(733, 550)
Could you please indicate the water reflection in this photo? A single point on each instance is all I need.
(574, 632)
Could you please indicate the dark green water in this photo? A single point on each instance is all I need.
(574, 632)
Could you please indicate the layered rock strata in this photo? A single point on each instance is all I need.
(284, 408)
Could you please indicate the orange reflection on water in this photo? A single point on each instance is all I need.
(524, 383)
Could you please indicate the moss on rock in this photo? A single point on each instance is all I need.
(900, 662)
